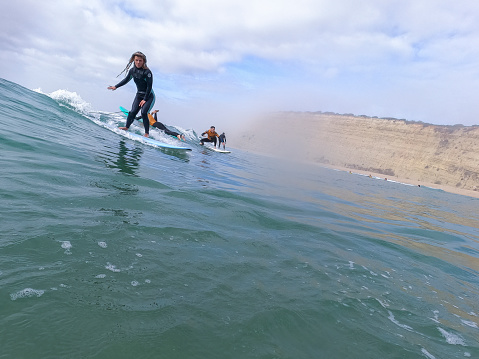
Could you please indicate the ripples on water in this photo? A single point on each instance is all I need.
(111, 248)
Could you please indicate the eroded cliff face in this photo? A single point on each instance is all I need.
(443, 155)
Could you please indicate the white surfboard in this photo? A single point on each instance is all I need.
(220, 150)
(152, 141)
(216, 149)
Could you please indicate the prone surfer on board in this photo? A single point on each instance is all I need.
(155, 123)
(162, 127)
(211, 133)
(145, 97)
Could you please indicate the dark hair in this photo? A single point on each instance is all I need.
(132, 58)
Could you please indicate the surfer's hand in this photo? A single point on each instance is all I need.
(142, 102)
(113, 88)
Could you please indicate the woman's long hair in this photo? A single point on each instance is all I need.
(132, 59)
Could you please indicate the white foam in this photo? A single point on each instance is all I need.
(469, 324)
(67, 246)
(112, 267)
(383, 304)
(100, 276)
(102, 244)
(427, 354)
(392, 319)
(436, 316)
(26, 293)
(139, 255)
(69, 98)
(452, 338)
(134, 283)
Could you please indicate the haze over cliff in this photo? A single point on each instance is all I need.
(417, 152)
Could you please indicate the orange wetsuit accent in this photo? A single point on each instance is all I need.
(151, 119)
(211, 134)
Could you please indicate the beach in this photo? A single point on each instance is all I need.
(380, 176)
(441, 157)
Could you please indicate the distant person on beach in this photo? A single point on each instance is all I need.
(145, 97)
(222, 140)
(211, 133)
(155, 123)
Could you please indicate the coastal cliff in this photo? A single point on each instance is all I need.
(418, 152)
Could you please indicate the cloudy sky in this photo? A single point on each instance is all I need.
(412, 59)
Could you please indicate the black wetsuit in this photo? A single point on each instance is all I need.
(144, 91)
(222, 139)
(162, 127)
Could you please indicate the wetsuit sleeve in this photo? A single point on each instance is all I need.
(125, 80)
(149, 84)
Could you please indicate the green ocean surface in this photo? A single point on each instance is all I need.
(111, 248)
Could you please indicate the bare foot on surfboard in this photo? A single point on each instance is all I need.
(146, 135)
(123, 128)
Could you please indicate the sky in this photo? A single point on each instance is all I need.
(222, 60)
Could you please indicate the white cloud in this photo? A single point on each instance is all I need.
(414, 59)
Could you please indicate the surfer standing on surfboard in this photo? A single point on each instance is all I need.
(145, 97)
(222, 140)
(211, 133)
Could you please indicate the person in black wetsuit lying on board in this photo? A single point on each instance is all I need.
(155, 123)
(145, 96)
(162, 127)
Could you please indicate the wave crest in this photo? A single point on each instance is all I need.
(69, 99)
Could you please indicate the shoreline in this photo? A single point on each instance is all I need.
(436, 156)
(406, 181)
(401, 180)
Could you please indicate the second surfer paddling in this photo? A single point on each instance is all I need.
(145, 96)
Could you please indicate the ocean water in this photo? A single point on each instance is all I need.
(111, 248)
